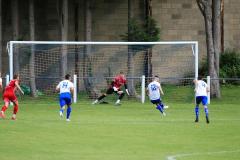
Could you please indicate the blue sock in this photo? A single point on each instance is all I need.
(162, 105)
(197, 111)
(160, 108)
(61, 109)
(206, 110)
(69, 109)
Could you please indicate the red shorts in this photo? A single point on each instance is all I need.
(9, 96)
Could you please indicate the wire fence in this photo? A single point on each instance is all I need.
(177, 90)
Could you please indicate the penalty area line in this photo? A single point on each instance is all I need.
(174, 157)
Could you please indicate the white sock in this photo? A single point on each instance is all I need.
(14, 115)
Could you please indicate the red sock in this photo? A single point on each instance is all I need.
(15, 109)
(4, 108)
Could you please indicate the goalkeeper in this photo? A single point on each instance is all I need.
(115, 87)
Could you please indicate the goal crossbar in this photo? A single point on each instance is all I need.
(10, 48)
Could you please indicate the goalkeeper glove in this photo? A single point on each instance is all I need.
(115, 89)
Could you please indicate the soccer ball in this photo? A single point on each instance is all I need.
(165, 107)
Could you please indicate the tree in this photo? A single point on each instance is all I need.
(15, 25)
(1, 36)
(64, 33)
(88, 49)
(130, 61)
(32, 53)
(211, 11)
(146, 32)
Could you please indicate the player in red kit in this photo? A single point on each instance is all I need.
(0, 81)
(115, 87)
(9, 96)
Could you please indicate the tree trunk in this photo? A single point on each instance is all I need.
(213, 40)
(222, 26)
(1, 37)
(64, 30)
(76, 38)
(76, 16)
(86, 62)
(130, 63)
(148, 60)
(217, 45)
(32, 56)
(210, 46)
(15, 25)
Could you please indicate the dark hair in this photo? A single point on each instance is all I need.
(156, 76)
(200, 77)
(67, 76)
(15, 76)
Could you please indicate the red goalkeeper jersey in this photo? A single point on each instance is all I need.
(119, 81)
(11, 86)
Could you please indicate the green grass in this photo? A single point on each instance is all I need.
(132, 131)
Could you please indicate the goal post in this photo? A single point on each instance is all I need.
(96, 67)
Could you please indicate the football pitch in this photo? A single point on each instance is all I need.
(132, 131)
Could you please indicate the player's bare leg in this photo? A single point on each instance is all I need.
(15, 110)
(4, 108)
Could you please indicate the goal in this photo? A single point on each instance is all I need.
(42, 64)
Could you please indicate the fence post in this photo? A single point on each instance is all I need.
(7, 79)
(143, 89)
(208, 93)
(75, 88)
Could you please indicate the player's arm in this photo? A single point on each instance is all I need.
(195, 81)
(58, 88)
(18, 87)
(112, 85)
(207, 89)
(147, 91)
(72, 90)
(160, 88)
(1, 84)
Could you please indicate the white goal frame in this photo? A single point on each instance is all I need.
(193, 43)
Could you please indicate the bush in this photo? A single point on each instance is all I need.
(230, 64)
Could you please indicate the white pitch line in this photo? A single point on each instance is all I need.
(174, 157)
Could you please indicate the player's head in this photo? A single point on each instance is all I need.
(121, 72)
(16, 76)
(156, 78)
(200, 77)
(67, 76)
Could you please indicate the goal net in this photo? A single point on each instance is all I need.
(42, 64)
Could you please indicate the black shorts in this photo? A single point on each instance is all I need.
(111, 91)
(157, 101)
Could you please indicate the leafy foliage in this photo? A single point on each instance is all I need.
(230, 64)
(148, 32)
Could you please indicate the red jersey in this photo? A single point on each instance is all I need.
(11, 86)
(119, 80)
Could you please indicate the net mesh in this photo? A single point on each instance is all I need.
(96, 65)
